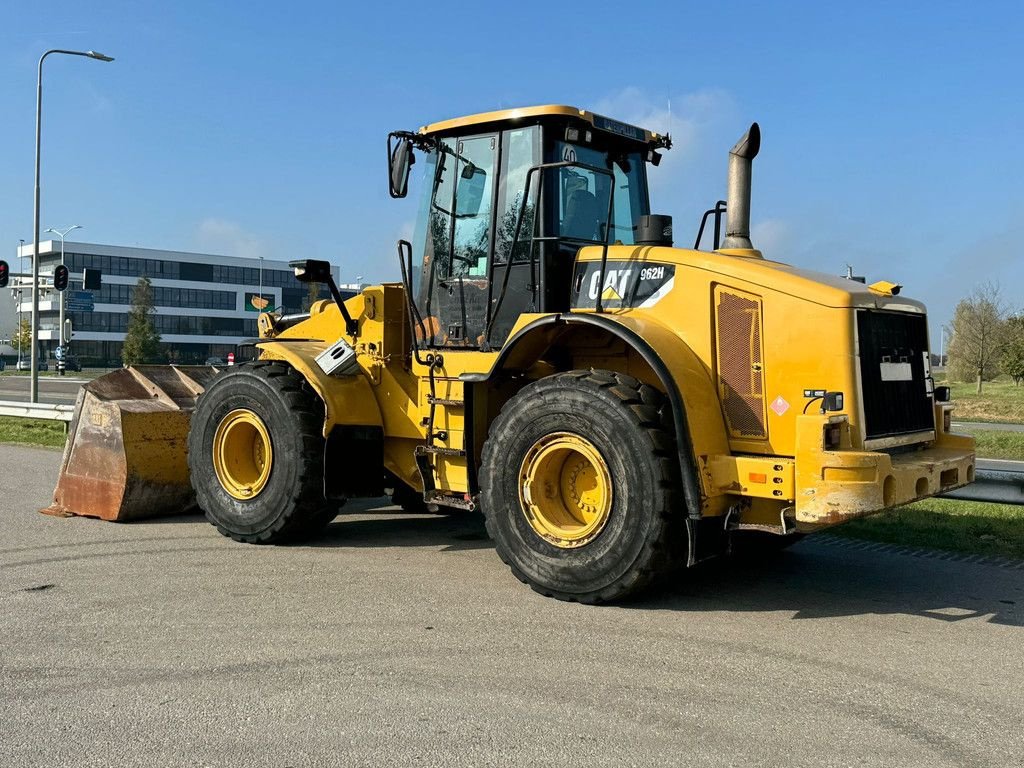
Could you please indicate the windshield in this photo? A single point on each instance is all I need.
(583, 195)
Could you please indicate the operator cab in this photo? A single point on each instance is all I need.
(508, 198)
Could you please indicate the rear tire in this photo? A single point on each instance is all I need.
(579, 485)
(255, 454)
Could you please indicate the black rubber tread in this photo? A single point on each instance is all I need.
(292, 504)
(628, 422)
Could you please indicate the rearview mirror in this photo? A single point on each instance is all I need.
(400, 160)
(471, 190)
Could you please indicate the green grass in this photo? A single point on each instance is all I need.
(1000, 400)
(42, 432)
(999, 445)
(955, 526)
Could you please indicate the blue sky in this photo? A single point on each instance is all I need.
(892, 132)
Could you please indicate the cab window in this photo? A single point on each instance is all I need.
(583, 194)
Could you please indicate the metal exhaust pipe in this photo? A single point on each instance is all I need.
(741, 156)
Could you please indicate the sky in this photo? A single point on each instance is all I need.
(891, 132)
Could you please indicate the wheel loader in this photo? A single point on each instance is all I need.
(616, 406)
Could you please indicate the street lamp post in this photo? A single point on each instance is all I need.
(261, 278)
(21, 270)
(61, 341)
(34, 376)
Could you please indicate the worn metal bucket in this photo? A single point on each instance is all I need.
(125, 457)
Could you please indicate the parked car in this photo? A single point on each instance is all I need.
(25, 364)
(71, 363)
(218, 361)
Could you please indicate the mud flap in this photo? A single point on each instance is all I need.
(353, 462)
(706, 537)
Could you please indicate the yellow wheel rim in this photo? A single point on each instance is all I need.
(565, 489)
(242, 454)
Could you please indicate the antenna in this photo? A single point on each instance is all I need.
(669, 132)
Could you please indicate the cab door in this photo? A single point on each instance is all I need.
(456, 232)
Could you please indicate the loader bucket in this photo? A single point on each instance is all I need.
(125, 457)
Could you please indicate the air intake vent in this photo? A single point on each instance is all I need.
(740, 375)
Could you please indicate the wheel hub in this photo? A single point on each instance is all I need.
(242, 454)
(565, 489)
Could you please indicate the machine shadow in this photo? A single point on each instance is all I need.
(375, 523)
(814, 581)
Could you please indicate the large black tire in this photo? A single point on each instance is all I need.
(291, 504)
(626, 422)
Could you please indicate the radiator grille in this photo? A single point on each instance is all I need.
(893, 347)
(740, 374)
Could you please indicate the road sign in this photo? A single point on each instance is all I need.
(79, 301)
(59, 353)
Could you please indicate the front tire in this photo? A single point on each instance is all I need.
(255, 454)
(579, 485)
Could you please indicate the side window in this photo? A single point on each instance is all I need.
(520, 152)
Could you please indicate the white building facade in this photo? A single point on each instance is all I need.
(205, 304)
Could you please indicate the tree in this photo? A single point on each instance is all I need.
(22, 338)
(979, 331)
(141, 342)
(1012, 361)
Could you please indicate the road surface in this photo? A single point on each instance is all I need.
(403, 640)
(51, 390)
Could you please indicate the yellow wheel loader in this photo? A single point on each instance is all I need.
(614, 405)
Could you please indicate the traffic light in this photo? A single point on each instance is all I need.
(60, 278)
(5, 274)
(91, 279)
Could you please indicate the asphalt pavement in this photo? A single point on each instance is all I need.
(51, 389)
(403, 640)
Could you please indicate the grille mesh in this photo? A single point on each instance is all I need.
(901, 405)
(740, 375)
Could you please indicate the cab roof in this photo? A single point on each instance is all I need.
(600, 122)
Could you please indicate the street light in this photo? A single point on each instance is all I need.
(60, 294)
(34, 376)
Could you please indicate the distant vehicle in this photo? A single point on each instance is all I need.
(71, 363)
(3, 364)
(26, 365)
(215, 361)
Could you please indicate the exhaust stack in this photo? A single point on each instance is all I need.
(741, 156)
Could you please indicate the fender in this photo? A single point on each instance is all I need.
(678, 369)
(348, 400)
(353, 427)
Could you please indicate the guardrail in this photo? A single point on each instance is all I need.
(995, 480)
(52, 411)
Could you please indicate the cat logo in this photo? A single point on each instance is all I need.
(626, 284)
(616, 285)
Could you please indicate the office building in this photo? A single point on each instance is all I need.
(205, 304)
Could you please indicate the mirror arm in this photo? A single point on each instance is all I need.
(351, 326)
